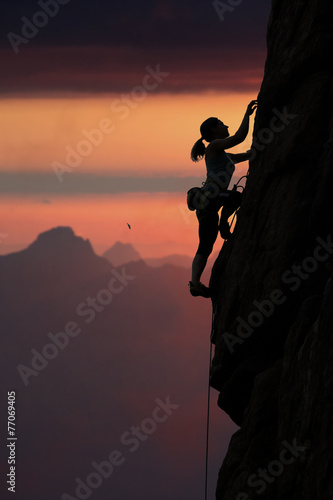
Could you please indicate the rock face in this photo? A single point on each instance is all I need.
(272, 288)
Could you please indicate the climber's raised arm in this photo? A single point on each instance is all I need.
(229, 142)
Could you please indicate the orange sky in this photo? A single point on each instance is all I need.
(151, 137)
(154, 136)
(160, 222)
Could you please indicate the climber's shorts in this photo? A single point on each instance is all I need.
(228, 199)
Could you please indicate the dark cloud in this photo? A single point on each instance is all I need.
(105, 46)
(91, 69)
(152, 22)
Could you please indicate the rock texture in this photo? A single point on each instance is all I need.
(272, 288)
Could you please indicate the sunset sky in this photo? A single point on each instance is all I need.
(101, 103)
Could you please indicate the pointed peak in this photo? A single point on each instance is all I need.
(121, 253)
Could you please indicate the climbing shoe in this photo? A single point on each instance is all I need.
(199, 290)
(224, 229)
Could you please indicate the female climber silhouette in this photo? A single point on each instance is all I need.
(207, 202)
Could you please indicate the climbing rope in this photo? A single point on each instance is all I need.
(235, 189)
(210, 356)
(208, 407)
(207, 434)
(243, 177)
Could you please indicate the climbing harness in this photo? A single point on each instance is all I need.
(201, 198)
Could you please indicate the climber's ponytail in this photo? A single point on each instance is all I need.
(198, 150)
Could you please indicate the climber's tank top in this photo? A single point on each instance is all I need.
(222, 167)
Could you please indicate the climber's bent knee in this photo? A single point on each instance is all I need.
(204, 250)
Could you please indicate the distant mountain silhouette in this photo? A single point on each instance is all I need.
(88, 348)
(122, 253)
(175, 260)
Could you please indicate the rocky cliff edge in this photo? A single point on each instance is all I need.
(272, 288)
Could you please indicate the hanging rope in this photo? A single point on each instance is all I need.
(208, 407)
(207, 434)
(243, 177)
(210, 358)
(235, 189)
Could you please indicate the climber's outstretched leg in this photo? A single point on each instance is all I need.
(196, 288)
(208, 230)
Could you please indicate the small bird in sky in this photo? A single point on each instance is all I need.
(129, 227)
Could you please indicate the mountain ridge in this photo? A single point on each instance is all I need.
(88, 349)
